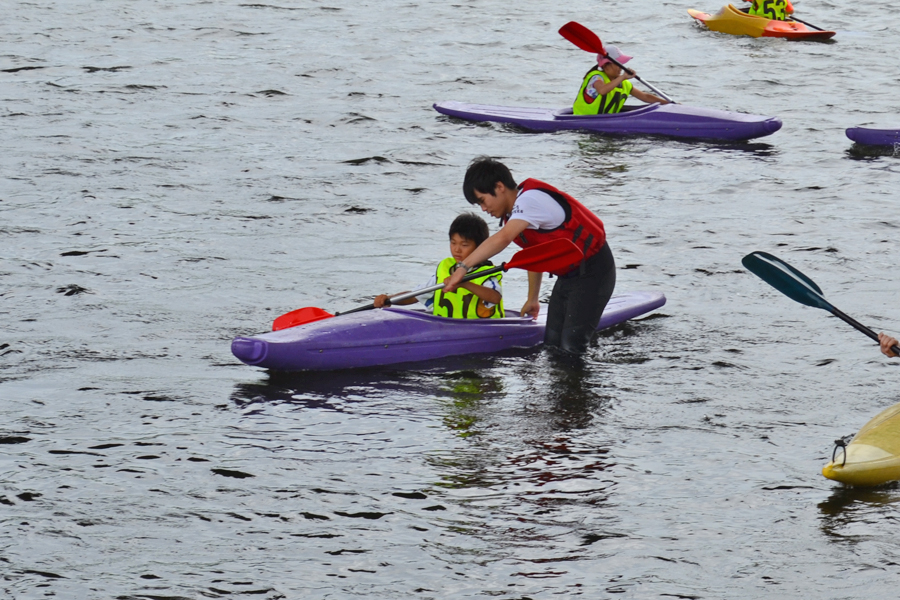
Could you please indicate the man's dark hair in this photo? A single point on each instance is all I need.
(483, 175)
(471, 227)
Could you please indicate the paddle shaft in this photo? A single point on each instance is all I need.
(432, 288)
(630, 72)
(793, 18)
(850, 320)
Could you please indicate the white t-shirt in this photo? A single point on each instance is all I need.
(539, 210)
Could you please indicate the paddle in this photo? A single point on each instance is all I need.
(550, 256)
(798, 287)
(807, 23)
(588, 41)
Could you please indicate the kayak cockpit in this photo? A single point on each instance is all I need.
(566, 114)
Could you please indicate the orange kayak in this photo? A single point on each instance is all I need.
(736, 22)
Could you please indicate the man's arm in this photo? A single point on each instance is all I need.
(532, 306)
(488, 248)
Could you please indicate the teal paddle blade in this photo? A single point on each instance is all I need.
(786, 279)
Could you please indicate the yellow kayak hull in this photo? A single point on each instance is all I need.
(733, 21)
(873, 455)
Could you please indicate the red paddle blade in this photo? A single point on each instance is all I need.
(582, 37)
(551, 256)
(300, 316)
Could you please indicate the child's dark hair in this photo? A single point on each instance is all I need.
(471, 227)
(483, 175)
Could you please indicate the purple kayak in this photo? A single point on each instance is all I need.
(874, 137)
(675, 120)
(397, 335)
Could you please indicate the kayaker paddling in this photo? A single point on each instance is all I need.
(534, 212)
(605, 87)
(476, 299)
(771, 9)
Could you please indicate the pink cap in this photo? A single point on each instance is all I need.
(615, 53)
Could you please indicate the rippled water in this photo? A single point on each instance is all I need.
(175, 174)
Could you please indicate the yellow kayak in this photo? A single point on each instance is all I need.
(873, 455)
(736, 22)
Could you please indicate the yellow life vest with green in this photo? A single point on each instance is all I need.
(463, 304)
(589, 103)
(770, 9)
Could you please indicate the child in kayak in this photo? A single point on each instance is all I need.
(606, 87)
(534, 212)
(771, 9)
(480, 298)
(886, 342)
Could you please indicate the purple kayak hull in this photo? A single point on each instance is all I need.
(674, 120)
(397, 335)
(874, 137)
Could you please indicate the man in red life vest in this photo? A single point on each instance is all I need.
(534, 212)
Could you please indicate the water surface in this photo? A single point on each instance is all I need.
(176, 174)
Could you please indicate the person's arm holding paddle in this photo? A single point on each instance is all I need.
(604, 88)
(492, 246)
(647, 97)
(382, 299)
(886, 342)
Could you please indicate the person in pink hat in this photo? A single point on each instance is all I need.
(606, 86)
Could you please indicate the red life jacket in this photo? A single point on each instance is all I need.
(581, 226)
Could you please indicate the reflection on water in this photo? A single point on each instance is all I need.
(607, 146)
(855, 514)
(865, 152)
(466, 390)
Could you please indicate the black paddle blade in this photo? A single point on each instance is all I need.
(786, 279)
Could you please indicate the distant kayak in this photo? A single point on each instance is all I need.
(874, 137)
(731, 20)
(675, 120)
(397, 335)
(873, 455)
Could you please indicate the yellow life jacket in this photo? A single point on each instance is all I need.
(770, 9)
(588, 103)
(463, 304)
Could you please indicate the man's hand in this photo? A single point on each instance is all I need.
(531, 308)
(452, 283)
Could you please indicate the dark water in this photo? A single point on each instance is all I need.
(175, 174)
